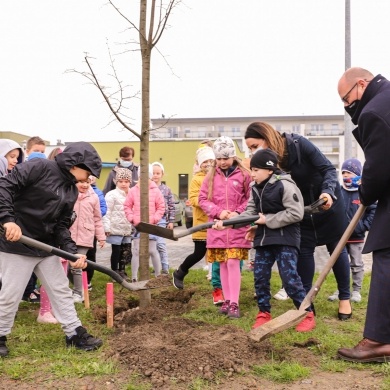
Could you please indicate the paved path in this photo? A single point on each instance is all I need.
(179, 250)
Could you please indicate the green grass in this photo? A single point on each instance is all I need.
(38, 350)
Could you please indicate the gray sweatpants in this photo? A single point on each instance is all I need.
(153, 255)
(16, 271)
(357, 264)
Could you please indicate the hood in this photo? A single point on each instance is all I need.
(80, 153)
(281, 176)
(3, 166)
(6, 145)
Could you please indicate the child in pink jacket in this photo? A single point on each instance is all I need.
(224, 194)
(132, 207)
(87, 225)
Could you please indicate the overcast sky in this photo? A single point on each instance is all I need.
(226, 58)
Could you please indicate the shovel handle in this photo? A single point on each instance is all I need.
(332, 259)
(72, 257)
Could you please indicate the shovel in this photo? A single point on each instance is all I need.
(293, 317)
(171, 235)
(142, 285)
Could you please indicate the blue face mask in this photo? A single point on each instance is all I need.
(352, 182)
(125, 164)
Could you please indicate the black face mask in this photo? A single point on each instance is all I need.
(351, 109)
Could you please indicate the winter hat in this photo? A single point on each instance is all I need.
(33, 155)
(203, 154)
(352, 165)
(123, 174)
(159, 165)
(265, 159)
(224, 147)
(6, 145)
(150, 171)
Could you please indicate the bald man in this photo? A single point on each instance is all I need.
(366, 99)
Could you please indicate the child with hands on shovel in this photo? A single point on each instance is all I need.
(275, 235)
(36, 199)
(224, 195)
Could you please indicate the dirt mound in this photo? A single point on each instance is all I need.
(165, 347)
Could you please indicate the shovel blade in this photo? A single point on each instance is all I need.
(160, 281)
(278, 324)
(156, 230)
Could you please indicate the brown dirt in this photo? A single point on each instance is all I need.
(165, 351)
(170, 351)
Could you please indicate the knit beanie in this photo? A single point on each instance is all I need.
(159, 165)
(150, 171)
(224, 147)
(33, 155)
(265, 159)
(123, 174)
(352, 165)
(203, 154)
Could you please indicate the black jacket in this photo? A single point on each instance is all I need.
(373, 135)
(352, 203)
(39, 196)
(314, 174)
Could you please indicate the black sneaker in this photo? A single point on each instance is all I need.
(83, 340)
(3, 347)
(32, 298)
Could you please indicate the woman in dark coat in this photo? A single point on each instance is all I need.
(316, 177)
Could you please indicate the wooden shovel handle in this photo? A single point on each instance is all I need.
(332, 259)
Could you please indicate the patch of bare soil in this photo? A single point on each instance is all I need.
(170, 351)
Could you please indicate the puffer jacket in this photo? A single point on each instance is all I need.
(115, 221)
(198, 215)
(88, 223)
(39, 196)
(133, 204)
(281, 202)
(229, 193)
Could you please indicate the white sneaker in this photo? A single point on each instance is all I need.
(356, 297)
(281, 295)
(334, 296)
(47, 318)
(77, 298)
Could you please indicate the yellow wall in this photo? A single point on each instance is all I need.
(178, 157)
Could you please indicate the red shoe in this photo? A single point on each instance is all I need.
(307, 324)
(261, 319)
(218, 296)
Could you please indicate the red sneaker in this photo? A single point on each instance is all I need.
(261, 319)
(307, 324)
(218, 296)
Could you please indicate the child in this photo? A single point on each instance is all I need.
(132, 207)
(205, 160)
(29, 204)
(278, 201)
(169, 217)
(223, 195)
(117, 227)
(91, 254)
(86, 227)
(35, 145)
(351, 171)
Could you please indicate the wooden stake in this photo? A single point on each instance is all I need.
(110, 304)
(86, 292)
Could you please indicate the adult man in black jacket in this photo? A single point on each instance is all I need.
(367, 100)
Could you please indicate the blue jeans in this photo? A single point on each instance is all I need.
(286, 258)
(162, 246)
(341, 269)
